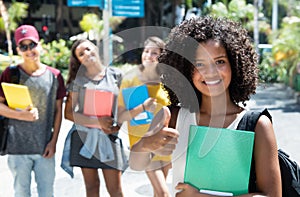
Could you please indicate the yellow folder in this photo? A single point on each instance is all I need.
(16, 95)
(219, 160)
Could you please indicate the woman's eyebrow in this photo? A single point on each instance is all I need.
(199, 59)
(221, 56)
(218, 57)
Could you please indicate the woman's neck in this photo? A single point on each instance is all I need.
(218, 111)
(95, 73)
(217, 105)
(149, 75)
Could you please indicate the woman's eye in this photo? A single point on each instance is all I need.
(199, 65)
(220, 62)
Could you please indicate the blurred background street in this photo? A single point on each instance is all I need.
(279, 99)
(119, 29)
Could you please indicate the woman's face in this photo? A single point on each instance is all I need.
(212, 75)
(86, 53)
(150, 54)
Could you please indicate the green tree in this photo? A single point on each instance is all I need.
(93, 26)
(286, 46)
(57, 54)
(240, 11)
(10, 18)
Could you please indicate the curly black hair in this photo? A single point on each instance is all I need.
(178, 57)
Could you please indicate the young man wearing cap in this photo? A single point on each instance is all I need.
(33, 131)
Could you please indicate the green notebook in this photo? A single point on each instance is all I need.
(219, 160)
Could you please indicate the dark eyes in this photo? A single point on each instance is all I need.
(152, 53)
(82, 52)
(200, 64)
(220, 62)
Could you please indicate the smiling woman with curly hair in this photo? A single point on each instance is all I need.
(184, 39)
(209, 68)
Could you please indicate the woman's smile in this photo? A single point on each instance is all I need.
(214, 82)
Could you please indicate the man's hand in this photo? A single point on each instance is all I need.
(50, 149)
(29, 114)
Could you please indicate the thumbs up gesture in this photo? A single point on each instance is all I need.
(160, 139)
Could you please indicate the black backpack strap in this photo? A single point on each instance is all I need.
(249, 120)
(14, 74)
(174, 113)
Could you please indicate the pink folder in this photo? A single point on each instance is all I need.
(98, 103)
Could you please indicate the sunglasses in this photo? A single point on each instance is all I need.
(25, 47)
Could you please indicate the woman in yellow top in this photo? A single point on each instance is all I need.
(146, 74)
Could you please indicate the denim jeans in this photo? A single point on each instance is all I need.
(22, 166)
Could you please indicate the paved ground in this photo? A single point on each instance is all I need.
(279, 99)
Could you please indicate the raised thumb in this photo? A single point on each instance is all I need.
(160, 120)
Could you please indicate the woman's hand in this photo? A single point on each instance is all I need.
(160, 139)
(186, 190)
(162, 142)
(150, 104)
(106, 123)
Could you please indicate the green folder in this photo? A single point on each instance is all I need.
(219, 159)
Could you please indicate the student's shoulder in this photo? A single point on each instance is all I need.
(54, 71)
(132, 73)
(264, 122)
(6, 71)
(115, 70)
(264, 126)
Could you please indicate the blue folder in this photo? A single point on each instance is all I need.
(133, 97)
(219, 159)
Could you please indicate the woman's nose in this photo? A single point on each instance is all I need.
(212, 68)
(209, 69)
(148, 55)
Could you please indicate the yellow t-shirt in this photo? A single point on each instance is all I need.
(155, 91)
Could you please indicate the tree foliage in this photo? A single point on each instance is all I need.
(286, 45)
(241, 11)
(16, 12)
